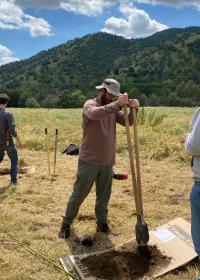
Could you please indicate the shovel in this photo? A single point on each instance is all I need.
(141, 228)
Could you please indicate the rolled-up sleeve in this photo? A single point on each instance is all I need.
(96, 113)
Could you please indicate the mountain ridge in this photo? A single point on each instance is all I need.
(152, 66)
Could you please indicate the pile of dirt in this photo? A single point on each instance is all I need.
(129, 262)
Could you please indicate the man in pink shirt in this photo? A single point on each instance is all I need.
(97, 153)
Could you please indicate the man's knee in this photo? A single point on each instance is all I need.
(77, 198)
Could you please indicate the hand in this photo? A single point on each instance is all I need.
(21, 145)
(134, 103)
(122, 100)
(184, 138)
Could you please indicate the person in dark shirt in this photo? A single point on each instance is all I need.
(7, 132)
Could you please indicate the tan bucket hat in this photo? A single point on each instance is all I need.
(112, 86)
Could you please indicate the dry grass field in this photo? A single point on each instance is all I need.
(30, 216)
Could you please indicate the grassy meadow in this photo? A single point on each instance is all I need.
(30, 216)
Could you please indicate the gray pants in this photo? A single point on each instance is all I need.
(87, 174)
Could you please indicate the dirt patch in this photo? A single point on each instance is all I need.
(4, 171)
(21, 170)
(127, 263)
(82, 217)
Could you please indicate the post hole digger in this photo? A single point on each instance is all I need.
(141, 228)
(48, 152)
(55, 153)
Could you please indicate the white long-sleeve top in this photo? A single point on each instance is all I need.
(192, 144)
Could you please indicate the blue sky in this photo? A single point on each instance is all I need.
(30, 26)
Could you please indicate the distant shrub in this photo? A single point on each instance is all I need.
(32, 103)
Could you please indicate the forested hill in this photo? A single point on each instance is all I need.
(162, 69)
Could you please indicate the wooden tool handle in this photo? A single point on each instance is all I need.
(55, 152)
(135, 189)
(48, 152)
(137, 159)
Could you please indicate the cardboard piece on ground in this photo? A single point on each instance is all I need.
(27, 170)
(173, 238)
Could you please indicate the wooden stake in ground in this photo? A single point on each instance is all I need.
(55, 153)
(48, 152)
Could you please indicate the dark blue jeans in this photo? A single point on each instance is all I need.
(12, 154)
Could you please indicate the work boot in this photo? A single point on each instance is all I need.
(103, 228)
(64, 231)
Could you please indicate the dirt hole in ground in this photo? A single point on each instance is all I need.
(127, 263)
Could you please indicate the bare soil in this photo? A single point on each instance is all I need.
(129, 262)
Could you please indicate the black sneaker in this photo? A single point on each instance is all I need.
(104, 228)
(64, 231)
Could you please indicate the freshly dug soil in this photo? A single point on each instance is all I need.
(129, 262)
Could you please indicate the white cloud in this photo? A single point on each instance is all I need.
(91, 7)
(39, 3)
(6, 55)
(84, 7)
(13, 17)
(37, 26)
(177, 3)
(137, 23)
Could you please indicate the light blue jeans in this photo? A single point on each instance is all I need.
(195, 216)
(12, 154)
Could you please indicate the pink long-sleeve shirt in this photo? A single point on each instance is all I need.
(99, 132)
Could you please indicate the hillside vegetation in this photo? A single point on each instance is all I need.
(162, 69)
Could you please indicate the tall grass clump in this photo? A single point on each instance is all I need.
(151, 118)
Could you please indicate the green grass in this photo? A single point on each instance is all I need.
(156, 126)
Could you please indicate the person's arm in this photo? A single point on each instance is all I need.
(97, 113)
(11, 125)
(133, 103)
(19, 142)
(192, 142)
(12, 130)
